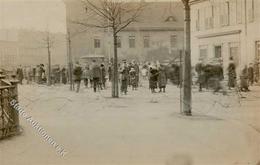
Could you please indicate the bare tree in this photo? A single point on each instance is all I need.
(113, 14)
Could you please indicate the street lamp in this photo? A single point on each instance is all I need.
(186, 90)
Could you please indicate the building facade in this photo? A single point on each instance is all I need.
(28, 47)
(221, 29)
(8, 48)
(158, 34)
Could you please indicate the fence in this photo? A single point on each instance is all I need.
(9, 118)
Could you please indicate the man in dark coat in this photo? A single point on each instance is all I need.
(64, 75)
(103, 76)
(153, 79)
(19, 73)
(124, 78)
(250, 74)
(231, 75)
(201, 75)
(137, 71)
(96, 74)
(162, 78)
(77, 75)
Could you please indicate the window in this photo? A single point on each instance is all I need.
(218, 52)
(198, 20)
(250, 10)
(97, 43)
(146, 41)
(239, 9)
(203, 54)
(119, 44)
(173, 41)
(225, 14)
(131, 41)
(209, 17)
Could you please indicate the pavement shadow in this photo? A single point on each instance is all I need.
(197, 116)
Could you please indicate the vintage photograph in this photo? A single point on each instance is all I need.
(129, 82)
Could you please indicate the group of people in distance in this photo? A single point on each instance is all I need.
(95, 75)
(214, 73)
(129, 76)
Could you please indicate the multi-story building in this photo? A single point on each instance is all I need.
(8, 48)
(29, 47)
(158, 34)
(225, 28)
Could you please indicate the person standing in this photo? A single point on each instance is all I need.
(96, 73)
(244, 79)
(86, 75)
(201, 75)
(137, 71)
(250, 74)
(110, 72)
(124, 78)
(77, 72)
(231, 74)
(133, 78)
(162, 78)
(103, 76)
(153, 78)
(64, 75)
(19, 73)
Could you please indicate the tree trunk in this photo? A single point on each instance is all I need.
(115, 92)
(186, 93)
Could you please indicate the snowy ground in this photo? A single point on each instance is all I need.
(138, 129)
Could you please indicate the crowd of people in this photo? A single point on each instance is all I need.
(212, 75)
(96, 75)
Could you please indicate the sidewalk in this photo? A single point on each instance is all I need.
(138, 129)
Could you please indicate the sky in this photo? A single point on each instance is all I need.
(44, 15)
(33, 14)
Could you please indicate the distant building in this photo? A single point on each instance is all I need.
(158, 35)
(225, 28)
(8, 48)
(28, 47)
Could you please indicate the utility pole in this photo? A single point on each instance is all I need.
(69, 61)
(49, 58)
(186, 88)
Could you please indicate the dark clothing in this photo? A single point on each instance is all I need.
(162, 78)
(96, 76)
(124, 79)
(19, 74)
(96, 71)
(77, 76)
(109, 73)
(133, 79)
(103, 77)
(153, 79)
(96, 83)
(64, 76)
(77, 73)
(232, 75)
(244, 80)
(251, 75)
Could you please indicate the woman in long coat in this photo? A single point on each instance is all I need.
(231, 75)
(244, 80)
(153, 79)
(162, 78)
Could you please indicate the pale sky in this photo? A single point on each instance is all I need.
(33, 14)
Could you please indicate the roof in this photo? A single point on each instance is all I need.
(164, 15)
